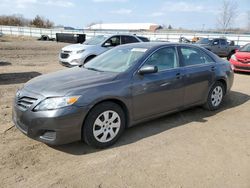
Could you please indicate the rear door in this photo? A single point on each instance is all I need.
(199, 74)
(158, 92)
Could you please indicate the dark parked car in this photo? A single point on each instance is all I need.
(120, 88)
(220, 46)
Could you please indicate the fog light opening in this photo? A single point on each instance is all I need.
(48, 135)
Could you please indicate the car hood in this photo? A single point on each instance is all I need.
(68, 81)
(243, 55)
(77, 47)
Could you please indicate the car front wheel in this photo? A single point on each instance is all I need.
(104, 125)
(215, 96)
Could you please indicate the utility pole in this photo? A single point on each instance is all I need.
(248, 20)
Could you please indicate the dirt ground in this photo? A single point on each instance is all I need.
(194, 148)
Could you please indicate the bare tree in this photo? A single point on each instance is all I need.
(228, 13)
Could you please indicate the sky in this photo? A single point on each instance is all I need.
(189, 14)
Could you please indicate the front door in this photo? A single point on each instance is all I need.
(158, 92)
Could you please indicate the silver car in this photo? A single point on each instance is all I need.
(78, 54)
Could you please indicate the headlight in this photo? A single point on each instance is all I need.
(55, 103)
(233, 57)
(80, 51)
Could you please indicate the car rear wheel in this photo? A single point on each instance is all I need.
(104, 125)
(215, 96)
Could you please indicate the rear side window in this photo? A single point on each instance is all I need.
(164, 59)
(194, 56)
(128, 39)
(144, 39)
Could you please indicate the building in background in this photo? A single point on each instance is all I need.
(125, 26)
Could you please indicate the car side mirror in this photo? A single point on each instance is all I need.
(148, 69)
(215, 43)
(107, 44)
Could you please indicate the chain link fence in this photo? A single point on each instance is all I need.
(240, 39)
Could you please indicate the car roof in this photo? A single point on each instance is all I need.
(151, 45)
(120, 34)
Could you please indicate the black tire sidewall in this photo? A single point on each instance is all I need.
(88, 135)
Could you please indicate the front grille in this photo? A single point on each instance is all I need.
(64, 55)
(243, 68)
(67, 52)
(25, 102)
(245, 62)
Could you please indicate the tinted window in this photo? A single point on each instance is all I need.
(144, 39)
(164, 58)
(128, 39)
(193, 56)
(223, 42)
(216, 42)
(114, 41)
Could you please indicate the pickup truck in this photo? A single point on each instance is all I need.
(220, 46)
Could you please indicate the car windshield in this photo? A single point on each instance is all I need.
(245, 48)
(96, 40)
(203, 41)
(116, 60)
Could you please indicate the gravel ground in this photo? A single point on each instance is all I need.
(193, 148)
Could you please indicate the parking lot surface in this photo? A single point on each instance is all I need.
(193, 148)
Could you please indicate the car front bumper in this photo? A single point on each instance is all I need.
(72, 59)
(52, 127)
(238, 66)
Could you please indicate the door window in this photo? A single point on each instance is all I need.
(128, 39)
(193, 56)
(164, 59)
(223, 42)
(114, 41)
(216, 42)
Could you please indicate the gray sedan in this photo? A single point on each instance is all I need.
(120, 88)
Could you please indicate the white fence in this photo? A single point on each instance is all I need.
(169, 36)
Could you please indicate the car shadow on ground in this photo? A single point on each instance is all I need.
(17, 78)
(242, 73)
(144, 130)
(4, 63)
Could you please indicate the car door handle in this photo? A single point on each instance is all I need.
(178, 76)
(213, 68)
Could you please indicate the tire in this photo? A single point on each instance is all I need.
(88, 59)
(215, 96)
(104, 125)
(229, 55)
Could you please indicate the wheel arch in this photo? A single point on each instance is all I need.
(223, 81)
(89, 57)
(114, 100)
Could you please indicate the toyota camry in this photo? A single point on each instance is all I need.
(124, 86)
